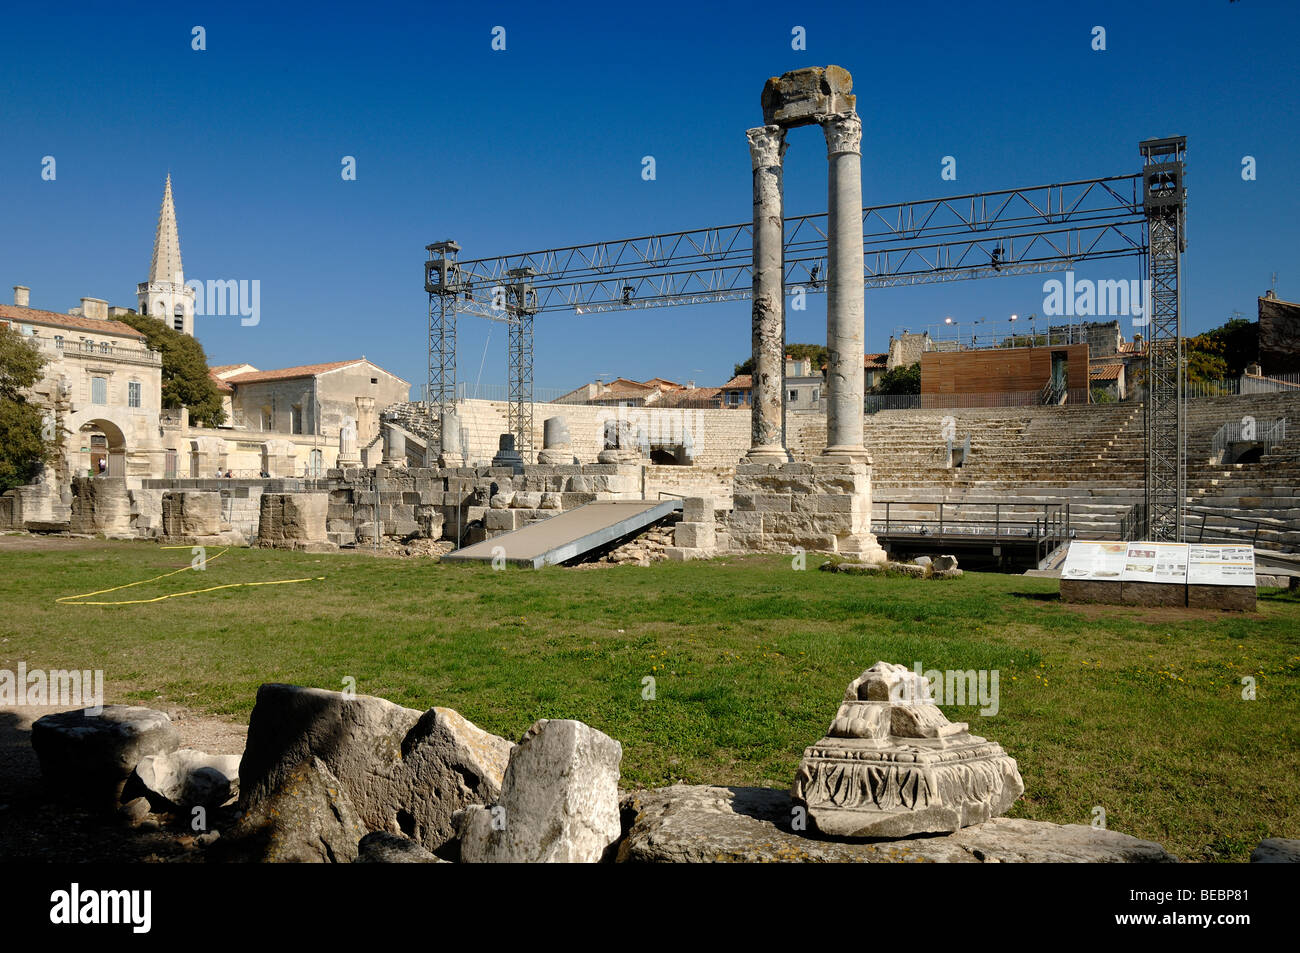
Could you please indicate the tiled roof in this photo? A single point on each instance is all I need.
(689, 395)
(1133, 347)
(222, 368)
(626, 387)
(222, 386)
(740, 382)
(289, 373)
(13, 312)
(1105, 372)
(875, 360)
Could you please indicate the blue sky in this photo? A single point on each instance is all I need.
(541, 145)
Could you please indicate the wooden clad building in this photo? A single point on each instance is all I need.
(1006, 375)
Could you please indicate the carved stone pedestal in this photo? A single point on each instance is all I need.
(893, 765)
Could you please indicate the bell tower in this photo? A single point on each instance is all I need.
(164, 296)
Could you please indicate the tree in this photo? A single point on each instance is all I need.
(901, 380)
(185, 380)
(1223, 351)
(815, 352)
(23, 447)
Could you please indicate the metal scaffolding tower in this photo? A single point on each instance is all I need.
(521, 306)
(443, 282)
(1164, 198)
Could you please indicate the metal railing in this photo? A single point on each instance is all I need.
(1051, 393)
(1250, 529)
(1132, 525)
(1269, 433)
(1047, 525)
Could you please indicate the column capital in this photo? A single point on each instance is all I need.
(843, 132)
(766, 146)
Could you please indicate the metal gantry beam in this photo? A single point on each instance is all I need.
(1010, 232)
(1164, 201)
(1015, 231)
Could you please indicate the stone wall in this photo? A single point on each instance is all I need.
(463, 503)
(100, 505)
(713, 482)
(819, 507)
(191, 513)
(720, 437)
(292, 520)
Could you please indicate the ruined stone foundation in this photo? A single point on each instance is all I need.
(821, 507)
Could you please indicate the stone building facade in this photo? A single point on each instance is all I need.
(312, 399)
(102, 392)
(101, 383)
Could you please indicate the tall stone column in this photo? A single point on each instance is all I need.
(767, 445)
(844, 301)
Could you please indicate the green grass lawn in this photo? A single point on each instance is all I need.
(1137, 711)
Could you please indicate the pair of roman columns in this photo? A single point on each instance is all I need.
(844, 300)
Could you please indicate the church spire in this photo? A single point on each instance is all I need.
(165, 295)
(166, 265)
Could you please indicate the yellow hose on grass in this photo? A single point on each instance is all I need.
(68, 600)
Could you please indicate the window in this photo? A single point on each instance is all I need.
(266, 419)
(794, 396)
(133, 394)
(178, 322)
(99, 390)
(816, 395)
(103, 347)
(316, 464)
(58, 341)
(295, 419)
(374, 380)
(87, 345)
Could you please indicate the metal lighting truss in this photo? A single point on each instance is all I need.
(1010, 232)
(1016, 231)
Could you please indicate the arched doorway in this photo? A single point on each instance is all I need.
(102, 448)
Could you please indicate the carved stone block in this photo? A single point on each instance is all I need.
(892, 765)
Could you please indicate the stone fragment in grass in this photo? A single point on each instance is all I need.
(406, 772)
(305, 817)
(558, 804)
(186, 778)
(87, 756)
(705, 824)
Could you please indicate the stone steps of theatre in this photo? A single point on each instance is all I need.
(1265, 538)
(1006, 475)
(1000, 483)
(1287, 503)
(1077, 448)
(1004, 449)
